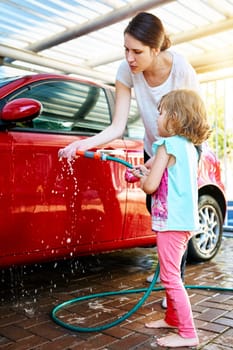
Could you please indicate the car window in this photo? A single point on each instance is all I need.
(68, 106)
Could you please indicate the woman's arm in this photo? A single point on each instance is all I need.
(113, 131)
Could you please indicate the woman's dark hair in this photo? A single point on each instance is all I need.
(148, 29)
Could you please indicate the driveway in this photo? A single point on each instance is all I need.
(28, 295)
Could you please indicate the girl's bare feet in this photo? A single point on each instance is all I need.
(158, 324)
(176, 341)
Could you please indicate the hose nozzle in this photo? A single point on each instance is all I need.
(102, 156)
(93, 155)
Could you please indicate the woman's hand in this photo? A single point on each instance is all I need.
(112, 132)
(69, 151)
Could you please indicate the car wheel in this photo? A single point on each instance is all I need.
(206, 243)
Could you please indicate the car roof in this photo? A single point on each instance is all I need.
(14, 83)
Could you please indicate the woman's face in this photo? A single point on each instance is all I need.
(139, 56)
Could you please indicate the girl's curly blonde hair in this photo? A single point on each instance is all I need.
(185, 115)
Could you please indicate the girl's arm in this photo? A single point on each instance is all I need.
(150, 182)
(149, 162)
(113, 131)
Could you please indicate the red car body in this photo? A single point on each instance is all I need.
(51, 209)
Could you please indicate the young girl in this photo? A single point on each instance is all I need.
(172, 181)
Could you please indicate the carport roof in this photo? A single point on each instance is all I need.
(86, 37)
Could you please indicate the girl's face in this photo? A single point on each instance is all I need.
(139, 56)
(161, 123)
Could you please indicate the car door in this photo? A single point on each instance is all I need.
(56, 207)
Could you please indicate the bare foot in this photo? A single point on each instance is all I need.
(176, 341)
(158, 324)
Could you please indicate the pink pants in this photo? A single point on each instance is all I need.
(171, 246)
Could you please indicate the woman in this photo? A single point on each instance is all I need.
(152, 71)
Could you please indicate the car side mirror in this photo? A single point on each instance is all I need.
(21, 109)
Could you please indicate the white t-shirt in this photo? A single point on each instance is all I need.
(182, 76)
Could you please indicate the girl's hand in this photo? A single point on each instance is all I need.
(140, 171)
(129, 177)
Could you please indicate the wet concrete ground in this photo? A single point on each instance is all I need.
(29, 294)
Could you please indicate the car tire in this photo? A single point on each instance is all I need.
(204, 245)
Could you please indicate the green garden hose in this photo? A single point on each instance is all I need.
(147, 291)
(103, 156)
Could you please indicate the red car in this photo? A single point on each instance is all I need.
(51, 209)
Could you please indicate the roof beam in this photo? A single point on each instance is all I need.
(98, 23)
(211, 61)
(209, 29)
(176, 39)
(108, 19)
(202, 63)
(56, 65)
